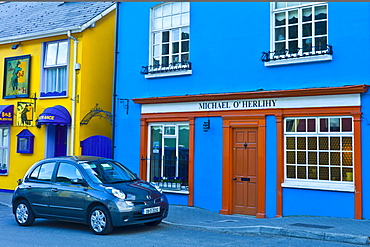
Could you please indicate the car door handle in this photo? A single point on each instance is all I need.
(29, 187)
(55, 190)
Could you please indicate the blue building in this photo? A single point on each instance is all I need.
(247, 108)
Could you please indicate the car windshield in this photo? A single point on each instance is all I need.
(108, 172)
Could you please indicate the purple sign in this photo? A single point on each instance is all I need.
(6, 116)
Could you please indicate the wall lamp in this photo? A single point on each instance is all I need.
(15, 46)
(207, 126)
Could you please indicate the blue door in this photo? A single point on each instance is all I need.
(60, 141)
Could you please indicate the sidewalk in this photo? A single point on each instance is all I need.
(320, 228)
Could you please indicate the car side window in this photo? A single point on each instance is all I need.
(43, 172)
(67, 172)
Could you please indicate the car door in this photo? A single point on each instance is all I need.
(37, 187)
(67, 199)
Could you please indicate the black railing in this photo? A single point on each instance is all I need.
(297, 53)
(165, 68)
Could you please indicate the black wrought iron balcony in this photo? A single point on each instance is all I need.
(165, 68)
(296, 53)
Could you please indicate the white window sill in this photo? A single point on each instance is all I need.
(185, 192)
(309, 59)
(167, 74)
(319, 185)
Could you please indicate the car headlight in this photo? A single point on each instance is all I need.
(156, 186)
(117, 193)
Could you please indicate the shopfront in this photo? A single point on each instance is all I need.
(261, 153)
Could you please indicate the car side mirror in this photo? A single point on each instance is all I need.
(78, 181)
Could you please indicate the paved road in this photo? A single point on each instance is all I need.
(54, 233)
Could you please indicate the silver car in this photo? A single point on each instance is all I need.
(99, 192)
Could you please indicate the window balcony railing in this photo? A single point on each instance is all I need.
(297, 53)
(165, 68)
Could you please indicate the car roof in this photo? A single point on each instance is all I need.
(77, 158)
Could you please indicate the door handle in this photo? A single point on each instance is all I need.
(55, 190)
(234, 178)
(245, 145)
(29, 187)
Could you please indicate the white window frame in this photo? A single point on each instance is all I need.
(307, 183)
(292, 58)
(59, 86)
(4, 145)
(158, 33)
(164, 136)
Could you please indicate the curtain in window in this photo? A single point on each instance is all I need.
(56, 80)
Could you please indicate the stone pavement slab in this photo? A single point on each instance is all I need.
(320, 228)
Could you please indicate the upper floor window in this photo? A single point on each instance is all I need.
(299, 30)
(55, 69)
(170, 38)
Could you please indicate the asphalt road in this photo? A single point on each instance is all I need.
(54, 233)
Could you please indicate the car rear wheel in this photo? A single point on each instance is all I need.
(99, 221)
(23, 214)
(153, 223)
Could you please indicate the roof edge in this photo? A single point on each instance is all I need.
(57, 32)
(352, 89)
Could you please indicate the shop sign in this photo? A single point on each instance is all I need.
(250, 104)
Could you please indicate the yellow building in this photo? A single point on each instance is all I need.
(58, 61)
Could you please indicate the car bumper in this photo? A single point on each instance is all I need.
(129, 215)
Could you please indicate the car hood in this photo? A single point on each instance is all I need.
(140, 189)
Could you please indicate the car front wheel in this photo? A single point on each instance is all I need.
(23, 214)
(99, 221)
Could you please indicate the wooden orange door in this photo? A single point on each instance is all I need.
(245, 171)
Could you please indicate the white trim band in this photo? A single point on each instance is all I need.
(249, 104)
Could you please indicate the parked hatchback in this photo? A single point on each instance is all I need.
(99, 192)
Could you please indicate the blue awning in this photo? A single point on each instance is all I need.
(6, 114)
(54, 115)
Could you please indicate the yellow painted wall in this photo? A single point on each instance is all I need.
(94, 85)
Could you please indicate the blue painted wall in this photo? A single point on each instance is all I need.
(208, 164)
(365, 135)
(227, 41)
(226, 51)
(318, 203)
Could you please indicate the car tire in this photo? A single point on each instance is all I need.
(23, 213)
(99, 221)
(153, 223)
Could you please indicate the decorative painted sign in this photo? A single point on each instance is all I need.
(16, 77)
(25, 112)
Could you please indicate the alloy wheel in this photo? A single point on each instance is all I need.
(98, 221)
(22, 213)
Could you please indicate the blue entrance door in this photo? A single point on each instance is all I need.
(60, 141)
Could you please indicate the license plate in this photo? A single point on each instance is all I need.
(151, 210)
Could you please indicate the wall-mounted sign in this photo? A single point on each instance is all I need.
(253, 104)
(6, 114)
(16, 77)
(25, 112)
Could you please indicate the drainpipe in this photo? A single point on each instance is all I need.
(115, 81)
(73, 113)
